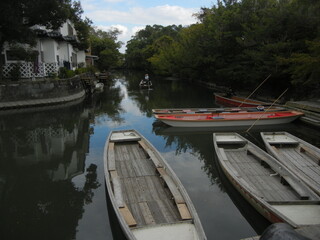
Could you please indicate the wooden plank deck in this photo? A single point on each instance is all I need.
(263, 180)
(303, 163)
(143, 191)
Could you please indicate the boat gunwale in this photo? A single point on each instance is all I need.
(129, 234)
(244, 101)
(166, 116)
(162, 111)
(248, 192)
(300, 143)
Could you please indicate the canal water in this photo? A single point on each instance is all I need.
(51, 163)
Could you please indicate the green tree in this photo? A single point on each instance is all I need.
(140, 48)
(18, 16)
(237, 44)
(106, 47)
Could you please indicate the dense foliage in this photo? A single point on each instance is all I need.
(106, 47)
(238, 43)
(146, 43)
(17, 16)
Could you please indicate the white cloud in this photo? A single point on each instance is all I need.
(89, 5)
(163, 15)
(113, 1)
(136, 29)
(136, 18)
(126, 33)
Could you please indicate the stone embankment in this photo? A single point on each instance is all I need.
(311, 110)
(40, 92)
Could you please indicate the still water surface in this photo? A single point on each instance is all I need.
(51, 163)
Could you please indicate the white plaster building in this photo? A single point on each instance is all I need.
(56, 49)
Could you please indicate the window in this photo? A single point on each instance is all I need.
(14, 55)
(74, 60)
(70, 30)
(2, 59)
(42, 56)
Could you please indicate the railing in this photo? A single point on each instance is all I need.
(31, 70)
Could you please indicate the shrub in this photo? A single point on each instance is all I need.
(15, 72)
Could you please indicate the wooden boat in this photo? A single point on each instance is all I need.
(299, 156)
(265, 183)
(213, 110)
(145, 84)
(149, 200)
(228, 119)
(237, 101)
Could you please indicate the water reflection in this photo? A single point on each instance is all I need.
(199, 141)
(40, 153)
(51, 162)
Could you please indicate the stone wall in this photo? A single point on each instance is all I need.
(40, 89)
(37, 93)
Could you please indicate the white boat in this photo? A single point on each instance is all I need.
(265, 183)
(214, 110)
(228, 119)
(299, 156)
(149, 200)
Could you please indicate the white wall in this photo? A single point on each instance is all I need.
(65, 50)
(64, 28)
(50, 50)
(81, 56)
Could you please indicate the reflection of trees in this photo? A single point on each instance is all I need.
(40, 152)
(109, 102)
(199, 144)
(36, 207)
(166, 94)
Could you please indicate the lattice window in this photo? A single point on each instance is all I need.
(50, 68)
(30, 70)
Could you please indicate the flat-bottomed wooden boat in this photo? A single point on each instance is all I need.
(265, 183)
(145, 84)
(299, 156)
(228, 119)
(237, 101)
(214, 110)
(149, 200)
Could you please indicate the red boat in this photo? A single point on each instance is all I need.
(236, 101)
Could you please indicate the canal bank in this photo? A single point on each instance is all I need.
(311, 110)
(40, 92)
(52, 180)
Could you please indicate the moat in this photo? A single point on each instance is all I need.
(51, 162)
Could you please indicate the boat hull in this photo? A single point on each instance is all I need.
(264, 210)
(238, 101)
(213, 110)
(300, 157)
(226, 122)
(145, 84)
(129, 159)
(242, 160)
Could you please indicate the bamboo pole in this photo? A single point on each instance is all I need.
(267, 110)
(255, 90)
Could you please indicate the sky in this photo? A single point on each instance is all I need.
(130, 16)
